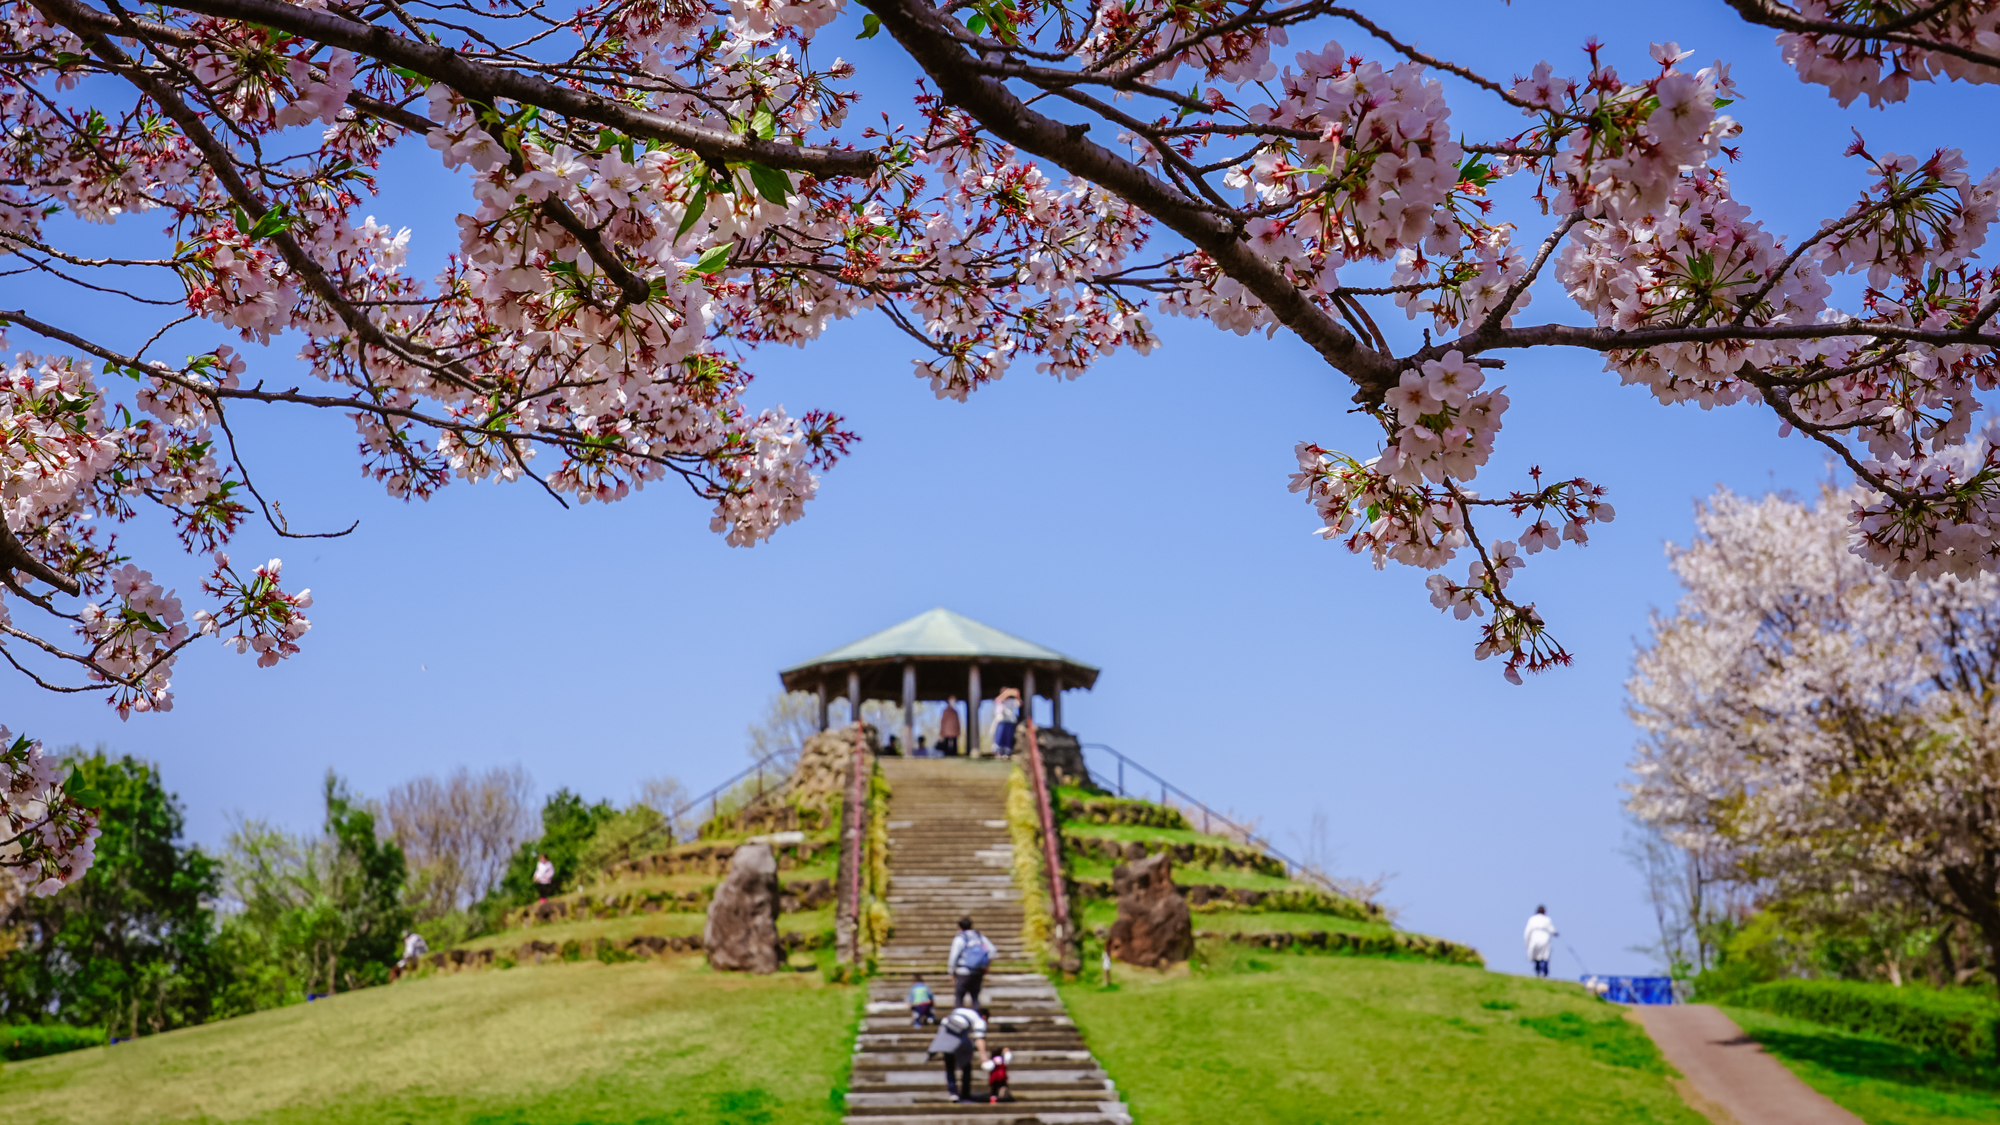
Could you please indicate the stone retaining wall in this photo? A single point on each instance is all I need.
(1212, 898)
(1321, 941)
(588, 949)
(799, 894)
(713, 859)
(1192, 855)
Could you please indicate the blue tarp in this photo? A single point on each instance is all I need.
(1632, 990)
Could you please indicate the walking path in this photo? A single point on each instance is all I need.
(950, 855)
(1729, 1070)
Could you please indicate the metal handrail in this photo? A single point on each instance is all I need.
(1293, 866)
(715, 794)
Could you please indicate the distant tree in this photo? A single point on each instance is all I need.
(789, 719)
(458, 833)
(128, 944)
(317, 915)
(665, 795)
(568, 823)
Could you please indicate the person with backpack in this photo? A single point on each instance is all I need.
(960, 1034)
(970, 955)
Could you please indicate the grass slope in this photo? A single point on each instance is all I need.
(1282, 1038)
(1882, 1082)
(648, 1043)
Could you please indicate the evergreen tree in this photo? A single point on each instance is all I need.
(128, 945)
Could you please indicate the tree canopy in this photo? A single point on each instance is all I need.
(655, 188)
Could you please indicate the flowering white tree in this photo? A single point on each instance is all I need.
(657, 186)
(1833, 729)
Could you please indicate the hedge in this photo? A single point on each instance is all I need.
(33, 1040)
(1944, 1022)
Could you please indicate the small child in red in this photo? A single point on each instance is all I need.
(996, 1076)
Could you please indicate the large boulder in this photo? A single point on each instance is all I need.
(1154, 927)
(742, 930)
(1062, 758)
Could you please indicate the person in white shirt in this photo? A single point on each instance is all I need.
(959, 1035)
(1540, 936)
(414, 947)
(1006, 716)
(545, 877)
(970, 955)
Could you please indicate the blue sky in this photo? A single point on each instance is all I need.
(1136, 518)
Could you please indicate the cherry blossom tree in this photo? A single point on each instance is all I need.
(1832, 729)
(655, 188)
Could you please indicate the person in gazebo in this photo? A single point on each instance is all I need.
(947, 743)
(1006, 716)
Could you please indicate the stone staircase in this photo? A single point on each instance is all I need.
(950, 855)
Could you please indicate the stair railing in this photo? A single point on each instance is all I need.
(1293, 867)
(853, 837)
(713, 796)
(1051, 845)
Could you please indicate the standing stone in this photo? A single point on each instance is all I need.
(1154, 927)
(742, 930)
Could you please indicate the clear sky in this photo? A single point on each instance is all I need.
(1136, 518)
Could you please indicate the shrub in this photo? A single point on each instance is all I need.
(33, 1040)
(1944, 1022)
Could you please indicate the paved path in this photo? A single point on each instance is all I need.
(1729, 1071)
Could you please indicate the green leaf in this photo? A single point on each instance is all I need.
(275, 221)
(870, 24)
(771, 183)
(763, 123)
(82, 793)
(696, 206)
(976, 24)
(713, 261)
(411, 76)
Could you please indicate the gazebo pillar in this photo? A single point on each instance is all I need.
(1027, 695)
(972, 710)
(1055, 705)
(909, 706)
(854, 696)
(822, 705)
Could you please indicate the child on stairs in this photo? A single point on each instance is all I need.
(996, 1076)
(921, 1003)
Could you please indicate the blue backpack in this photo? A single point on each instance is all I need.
(976, 955)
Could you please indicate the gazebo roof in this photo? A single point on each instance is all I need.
(939, 636)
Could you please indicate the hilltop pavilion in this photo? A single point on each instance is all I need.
(935, 655)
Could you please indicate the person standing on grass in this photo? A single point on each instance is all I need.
(947, 743)
(970, 954)
(545, 878)
(959, 1036)
(1541, 935)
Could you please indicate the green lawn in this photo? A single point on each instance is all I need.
(586, 1044)
(1280, 1038)
(1882, 1082)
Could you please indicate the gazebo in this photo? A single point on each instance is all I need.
(933, 656)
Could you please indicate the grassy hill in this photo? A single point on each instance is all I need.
(1272, 1037)
(1249, 1035)
(570, 1044)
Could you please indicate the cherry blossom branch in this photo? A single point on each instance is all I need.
(479, 80)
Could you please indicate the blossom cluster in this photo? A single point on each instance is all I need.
(1853, 65)
(45, 835)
